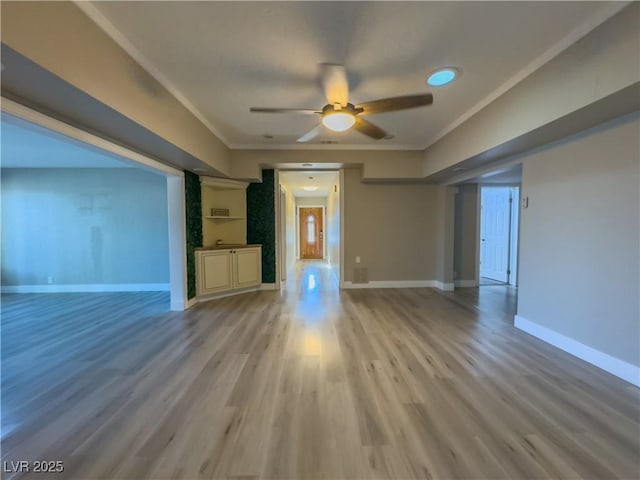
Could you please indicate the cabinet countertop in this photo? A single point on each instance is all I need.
(228, 246)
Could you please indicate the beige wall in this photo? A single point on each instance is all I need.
(376, 164)
(465, 261)
(59, 37)
(444, 213)
(391, 227)
(579, 251)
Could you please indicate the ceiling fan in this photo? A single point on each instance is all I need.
(340, 115)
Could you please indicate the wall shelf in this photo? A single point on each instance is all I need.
(230, 196)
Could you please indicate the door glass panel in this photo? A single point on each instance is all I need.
(311, 229)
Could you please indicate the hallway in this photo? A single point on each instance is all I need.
(310, 382)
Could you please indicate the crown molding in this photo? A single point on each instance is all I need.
(568, 40)
(117, 36)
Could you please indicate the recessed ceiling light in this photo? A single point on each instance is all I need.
(307, 164)
(310, 188)
(443, 76)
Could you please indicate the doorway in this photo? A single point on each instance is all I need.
(498, 235)
(311, 232)
(303, 240)
(175, 211)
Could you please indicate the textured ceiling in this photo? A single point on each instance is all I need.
(223, 57)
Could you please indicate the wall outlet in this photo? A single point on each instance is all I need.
(357, 259)
(49, 279)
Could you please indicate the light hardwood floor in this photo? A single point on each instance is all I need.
(307, 383)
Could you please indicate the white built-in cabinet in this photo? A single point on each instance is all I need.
(234, 266)
(223, 271)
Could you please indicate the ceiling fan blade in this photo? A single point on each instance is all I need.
(369, 129)
(305, 111)
(334, 83)
(396, 103)
(311, 134)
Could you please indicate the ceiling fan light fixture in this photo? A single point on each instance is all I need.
(443, 76)
(338, 121)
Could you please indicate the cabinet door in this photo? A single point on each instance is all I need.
(216, 271)
(248, 267)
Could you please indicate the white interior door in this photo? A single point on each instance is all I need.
(494, 232)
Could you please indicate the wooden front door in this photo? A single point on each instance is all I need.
(311, 232)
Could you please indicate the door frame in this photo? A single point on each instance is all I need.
(513, 255)
(324, 229)
(282, 232)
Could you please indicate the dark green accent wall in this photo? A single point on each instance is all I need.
(193, 205)
(261, 222)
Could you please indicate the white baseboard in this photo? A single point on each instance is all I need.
(615, 366)
(399, 284)
(88, 288)
(465, 283)
(447, 287)
(389, 284)
(228, 293)
(269, 286)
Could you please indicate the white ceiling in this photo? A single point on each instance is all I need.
(26, 145)
(294, 181)
(221, 58)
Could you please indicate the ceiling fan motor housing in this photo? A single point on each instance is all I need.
(349, 108)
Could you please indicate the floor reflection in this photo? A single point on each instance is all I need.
(312, 286)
